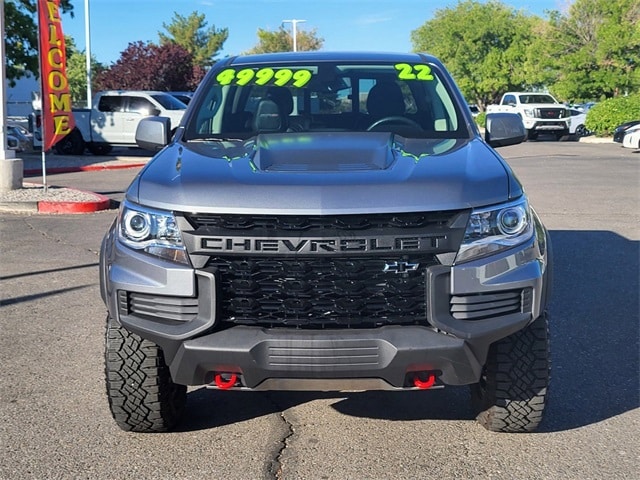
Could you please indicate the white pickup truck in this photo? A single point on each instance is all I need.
(113, 119)
(540, 113)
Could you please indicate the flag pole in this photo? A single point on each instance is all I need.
(42, 102)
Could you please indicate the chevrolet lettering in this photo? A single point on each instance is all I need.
(321, 245)
(327, 221)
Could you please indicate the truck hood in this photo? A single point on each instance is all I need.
(324, 173)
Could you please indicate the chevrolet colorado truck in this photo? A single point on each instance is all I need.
(327, 222)
(540, 113)
(113, 119)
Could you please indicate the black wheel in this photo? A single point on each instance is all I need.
(100, 148)
(532, 135)
(512, 391)
(581, 131)
(142, 396)
(71, 144)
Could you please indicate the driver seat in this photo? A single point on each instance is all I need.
(385, 99)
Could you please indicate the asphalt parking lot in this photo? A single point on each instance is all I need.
(55, 422)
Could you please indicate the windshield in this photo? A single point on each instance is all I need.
(245, 100)
(537, 99)
(169, 102)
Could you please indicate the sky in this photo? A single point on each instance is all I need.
(382, 25)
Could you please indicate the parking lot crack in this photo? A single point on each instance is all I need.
(275, 467)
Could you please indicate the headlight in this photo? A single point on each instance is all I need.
(153, 231)
(528, 112)
(491, 230)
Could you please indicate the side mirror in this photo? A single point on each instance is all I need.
(153, 133)
(504, 129)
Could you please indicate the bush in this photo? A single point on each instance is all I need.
(605, 116)
(481, 119)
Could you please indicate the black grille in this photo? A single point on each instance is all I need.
(334, 288)
(320, 292)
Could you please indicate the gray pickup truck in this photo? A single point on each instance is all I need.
(327, 222)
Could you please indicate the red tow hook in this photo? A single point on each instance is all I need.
(224, 381)
(424, 384)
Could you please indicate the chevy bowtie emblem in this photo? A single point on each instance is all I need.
(400, 267)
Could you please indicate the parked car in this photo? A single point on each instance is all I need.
(184, 97)
(576, 123)
(620, 130)
(19, 138)
(631, 137)
(114, 118)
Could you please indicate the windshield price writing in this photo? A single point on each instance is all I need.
(281, 77)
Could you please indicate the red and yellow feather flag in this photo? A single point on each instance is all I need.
(57, 118)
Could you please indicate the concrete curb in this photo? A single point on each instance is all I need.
(101, 202)
(83, 168)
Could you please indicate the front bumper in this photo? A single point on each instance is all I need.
(465, 314)
(545, 125)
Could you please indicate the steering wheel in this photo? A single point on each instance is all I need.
(394, 119)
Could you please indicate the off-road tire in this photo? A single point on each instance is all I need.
(532, 135)
(142, 396)
(512, 392)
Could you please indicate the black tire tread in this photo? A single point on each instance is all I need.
(71, 144)
(515, 381)
(142, 396)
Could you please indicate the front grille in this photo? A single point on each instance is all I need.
(550, 113)
(315, 271)
(320, 292)
(490, 305)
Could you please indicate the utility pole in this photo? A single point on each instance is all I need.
(11, 168)
(294, 22)
(87, 37)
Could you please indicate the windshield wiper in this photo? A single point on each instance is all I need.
(215, 139)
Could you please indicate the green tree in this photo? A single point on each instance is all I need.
(281, 41)
(596, 49)
(77, 73)
(21, 37)
(484, 46)
(191, 33)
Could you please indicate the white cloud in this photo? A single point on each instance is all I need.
(373, 19)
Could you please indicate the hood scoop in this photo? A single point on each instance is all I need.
(323, 152)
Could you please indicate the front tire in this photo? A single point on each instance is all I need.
(142, 396)
(512, 392)
(581, 131)
(71, 144)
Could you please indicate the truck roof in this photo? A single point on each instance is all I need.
(350, 56)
